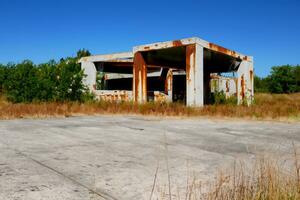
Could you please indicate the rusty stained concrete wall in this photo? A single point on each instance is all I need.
(114, 95)
(245, 83)
(139, 78)
(242, 86)
(226, 84)
(169, 86)
(194, 75)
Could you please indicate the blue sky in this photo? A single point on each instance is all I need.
(41, 30)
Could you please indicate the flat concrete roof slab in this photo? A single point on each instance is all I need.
(114, 57)
(190, 41)
(127, 56)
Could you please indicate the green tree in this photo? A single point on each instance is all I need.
(82, 53)
(260, 84)
(21, 83)
(3, 76)
(297, 77)
(46, 81)
(69, 84)
(51, 81)
(282, 79)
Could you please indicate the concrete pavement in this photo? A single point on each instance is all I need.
(115, 157)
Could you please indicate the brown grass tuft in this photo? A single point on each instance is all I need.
(262, 179)
(267, 106)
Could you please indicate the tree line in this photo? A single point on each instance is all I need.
(51, 81)
(282, 79)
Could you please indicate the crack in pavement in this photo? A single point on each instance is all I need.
(102, 194)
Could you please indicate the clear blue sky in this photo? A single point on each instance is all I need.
(44, 29)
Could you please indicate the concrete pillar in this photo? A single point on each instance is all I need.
(139, 78)
(89, 69)
(169, 85)
(245, 83)
(194, 75)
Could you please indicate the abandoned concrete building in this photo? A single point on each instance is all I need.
(186, 70)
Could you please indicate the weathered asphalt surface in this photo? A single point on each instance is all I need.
(115, 157)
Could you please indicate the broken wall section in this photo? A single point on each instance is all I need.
(225, 84)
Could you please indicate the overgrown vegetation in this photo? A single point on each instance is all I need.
(219, 97)
(100, 81)
(56, 88)
(52, 81)
(266, 106)
(283, 79)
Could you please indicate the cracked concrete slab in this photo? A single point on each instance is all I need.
(115, 157)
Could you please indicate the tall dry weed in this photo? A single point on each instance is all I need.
(262, 179)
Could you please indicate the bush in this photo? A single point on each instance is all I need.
(69, 84)
(282, 79)
(26, 82)
(100, 82)
(260, 84)
(220, 98)
(46, 76)
(21, 84)
(3, 77)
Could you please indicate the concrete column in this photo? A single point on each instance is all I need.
(194, 75)
(245, 83)
(139, 78)
(169, 85)
(90, 71)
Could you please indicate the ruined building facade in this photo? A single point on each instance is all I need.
(186, 70)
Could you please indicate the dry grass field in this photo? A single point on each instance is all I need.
(267, 107)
